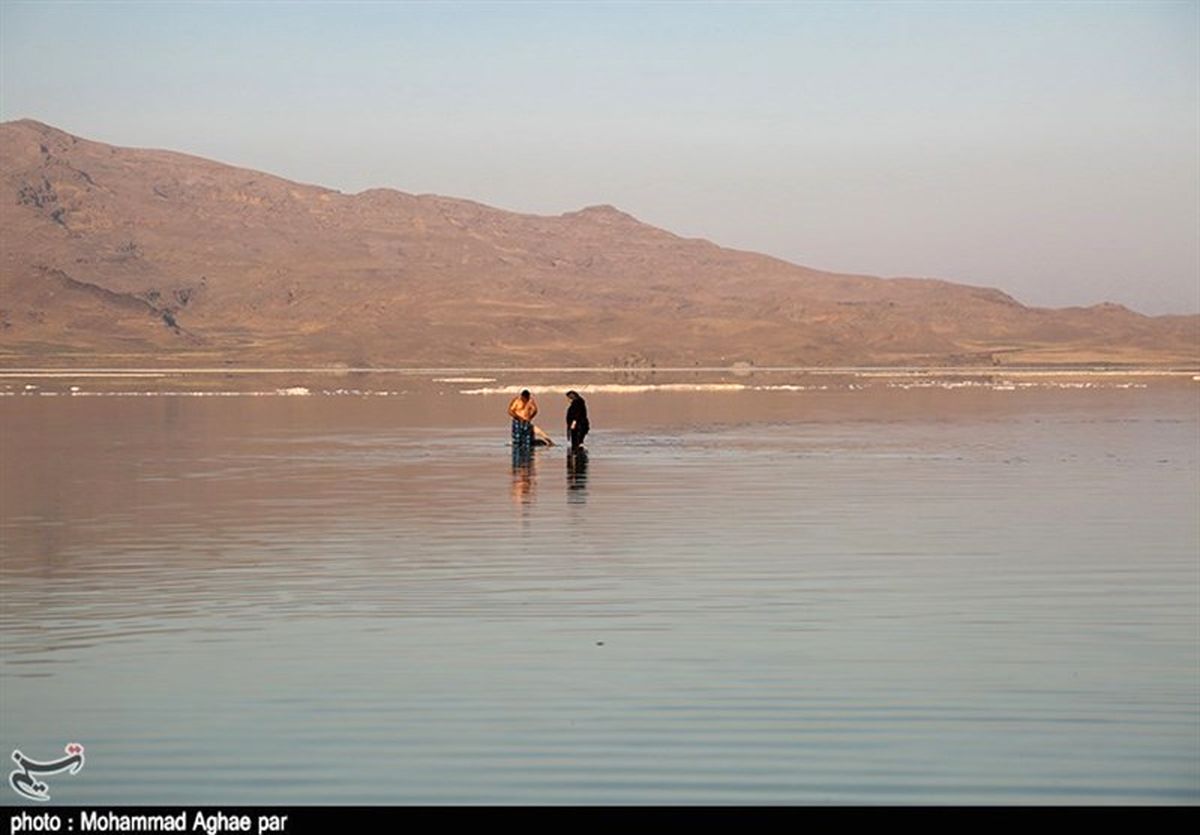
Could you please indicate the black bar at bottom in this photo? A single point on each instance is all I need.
(304, 820)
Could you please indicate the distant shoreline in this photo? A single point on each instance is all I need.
(860, 371)
(595, 380)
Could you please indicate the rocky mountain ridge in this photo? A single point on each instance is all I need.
(118, 256)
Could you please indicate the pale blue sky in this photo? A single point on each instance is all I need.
(1049, 149)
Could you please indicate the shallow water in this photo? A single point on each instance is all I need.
(778, 595)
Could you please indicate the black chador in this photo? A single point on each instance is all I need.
(577, 419)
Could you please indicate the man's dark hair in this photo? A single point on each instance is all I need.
(525, 393)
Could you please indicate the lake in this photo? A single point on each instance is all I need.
(767, 588)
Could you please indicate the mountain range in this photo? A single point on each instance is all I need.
(117, 256)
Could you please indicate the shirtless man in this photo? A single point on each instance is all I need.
(522, 410)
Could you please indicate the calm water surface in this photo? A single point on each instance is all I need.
(784, 597)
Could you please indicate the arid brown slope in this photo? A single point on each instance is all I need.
(117, 256)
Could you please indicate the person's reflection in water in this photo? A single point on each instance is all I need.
(522, 475)
(577, 467)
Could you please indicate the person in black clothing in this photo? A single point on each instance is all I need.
(577, 420)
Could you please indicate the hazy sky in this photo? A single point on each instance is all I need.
(1048, 149)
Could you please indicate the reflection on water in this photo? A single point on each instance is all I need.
(806, 598)
(522, 474)
(577, 475)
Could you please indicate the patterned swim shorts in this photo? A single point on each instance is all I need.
(522, 434)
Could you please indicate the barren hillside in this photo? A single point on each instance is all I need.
(117, 256)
